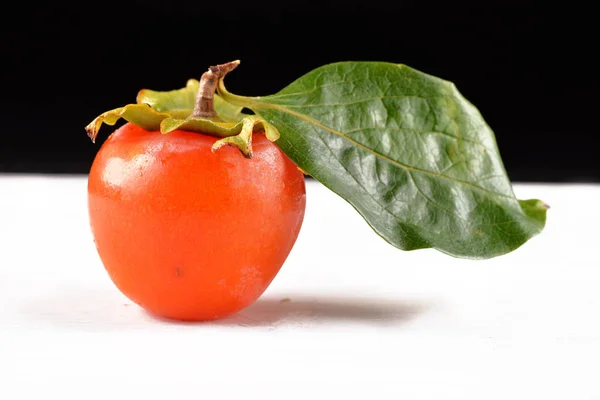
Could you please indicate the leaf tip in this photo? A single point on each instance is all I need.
(541, 205)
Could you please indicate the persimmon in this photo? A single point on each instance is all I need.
(195, 205)
(187, 233)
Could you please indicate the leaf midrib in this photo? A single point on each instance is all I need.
(260, 104)
(433, 131)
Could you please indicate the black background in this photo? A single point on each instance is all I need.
(529, 67)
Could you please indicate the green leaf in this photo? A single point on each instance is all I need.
(408, 151)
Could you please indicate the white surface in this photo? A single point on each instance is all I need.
(365, 320)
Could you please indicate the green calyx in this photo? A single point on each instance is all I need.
(166, 111)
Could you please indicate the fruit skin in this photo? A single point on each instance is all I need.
(189, 234)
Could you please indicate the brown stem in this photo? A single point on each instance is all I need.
(204, 106)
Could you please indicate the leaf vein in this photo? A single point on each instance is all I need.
(425, 132)
(433, 202)
(378, 154)
(320, 105)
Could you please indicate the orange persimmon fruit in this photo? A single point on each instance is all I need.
(188, 233)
